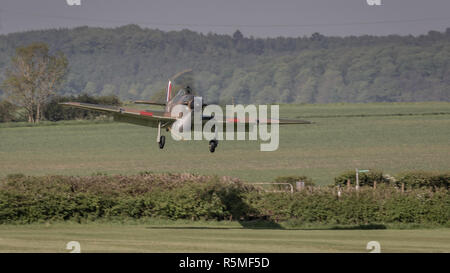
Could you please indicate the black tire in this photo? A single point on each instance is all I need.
(212, 145)
(162, 141)
(212, 148)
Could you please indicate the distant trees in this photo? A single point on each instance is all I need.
(7, 111)
(134, 63)
(33, 77)
(53, 111)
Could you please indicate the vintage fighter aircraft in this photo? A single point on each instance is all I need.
(164, 119)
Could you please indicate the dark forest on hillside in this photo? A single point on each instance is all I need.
(135, 63)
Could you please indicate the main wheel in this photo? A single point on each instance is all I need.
(212, 145)
(162, 141)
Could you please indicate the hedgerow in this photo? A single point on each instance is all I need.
(28, 199)
(420, 179)
(410, 180)
(365, 179)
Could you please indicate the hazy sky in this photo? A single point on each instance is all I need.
(260, 18)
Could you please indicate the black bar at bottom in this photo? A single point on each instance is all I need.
(219, 262)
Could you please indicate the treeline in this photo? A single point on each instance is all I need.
(28, 199)
(52, 111)
(134, 63)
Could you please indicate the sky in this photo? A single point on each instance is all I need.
(258, 18)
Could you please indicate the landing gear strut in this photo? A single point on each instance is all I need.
(212, 145)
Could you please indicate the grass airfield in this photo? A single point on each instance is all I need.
(213, 237)
(393, 137)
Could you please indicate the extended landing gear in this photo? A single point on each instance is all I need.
(212, 145)
(160, 139)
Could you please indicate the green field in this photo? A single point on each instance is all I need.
(393, 137)
(228, 237)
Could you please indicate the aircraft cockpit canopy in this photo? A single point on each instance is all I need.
(183, 96)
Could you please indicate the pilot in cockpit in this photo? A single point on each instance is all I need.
(183, 96)
(183, 92)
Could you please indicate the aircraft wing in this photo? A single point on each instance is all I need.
(287, 121)
(135, 116)
(261, 121)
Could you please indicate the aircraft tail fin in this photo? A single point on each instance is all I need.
(169, 91)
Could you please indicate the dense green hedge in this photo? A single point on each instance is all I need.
(365, 179)
(414, 180)
(363, 207)
(33, 199)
